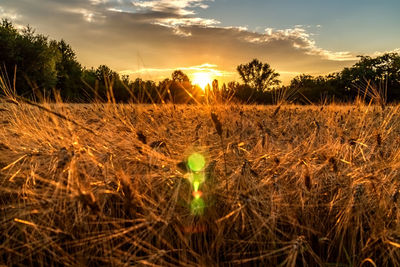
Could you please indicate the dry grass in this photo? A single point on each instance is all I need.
(302, 186)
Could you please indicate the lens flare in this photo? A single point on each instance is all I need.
(197, 177)
(197, 194)
(197, 206)
(196, 162)
(196, 185)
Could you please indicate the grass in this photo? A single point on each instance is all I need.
(284, 186)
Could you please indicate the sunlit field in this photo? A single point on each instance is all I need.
(197, 185)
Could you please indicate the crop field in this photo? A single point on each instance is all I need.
(199, 185)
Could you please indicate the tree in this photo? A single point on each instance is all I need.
(382, 72)
(105, 74)
(111, 87)
(33, 57)
(180, 88)
(311, 89)
(36, 61)
(69, 71)
(179, 76)
(258, 75)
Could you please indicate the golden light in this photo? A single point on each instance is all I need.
(202, 79)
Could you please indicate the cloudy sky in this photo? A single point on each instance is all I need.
(151, 38)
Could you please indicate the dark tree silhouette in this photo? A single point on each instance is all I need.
(179, 76)
(258, 75)
(32, 56)
(382, 72)
(43, 65)
(69, 72)
(180, 88)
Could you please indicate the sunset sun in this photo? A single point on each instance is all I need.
(202, 79)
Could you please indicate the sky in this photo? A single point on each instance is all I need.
(150, 39)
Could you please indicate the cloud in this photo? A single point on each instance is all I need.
(180, 13)
(178, 22)
(88, 15)
(98, 2)
(300, 39)
(379, 53)
(181, 26)
(158, 36)
(13, 15)
(9, 13)
(179, 7)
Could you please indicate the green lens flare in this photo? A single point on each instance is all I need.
(199, 176)
(197, 179)
(197, 206)
(196, 162)
(196, 186)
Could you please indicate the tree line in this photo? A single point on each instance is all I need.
(47, 69)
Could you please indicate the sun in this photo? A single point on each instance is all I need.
(202, 79)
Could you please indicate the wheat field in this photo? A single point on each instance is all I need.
(110, 185)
